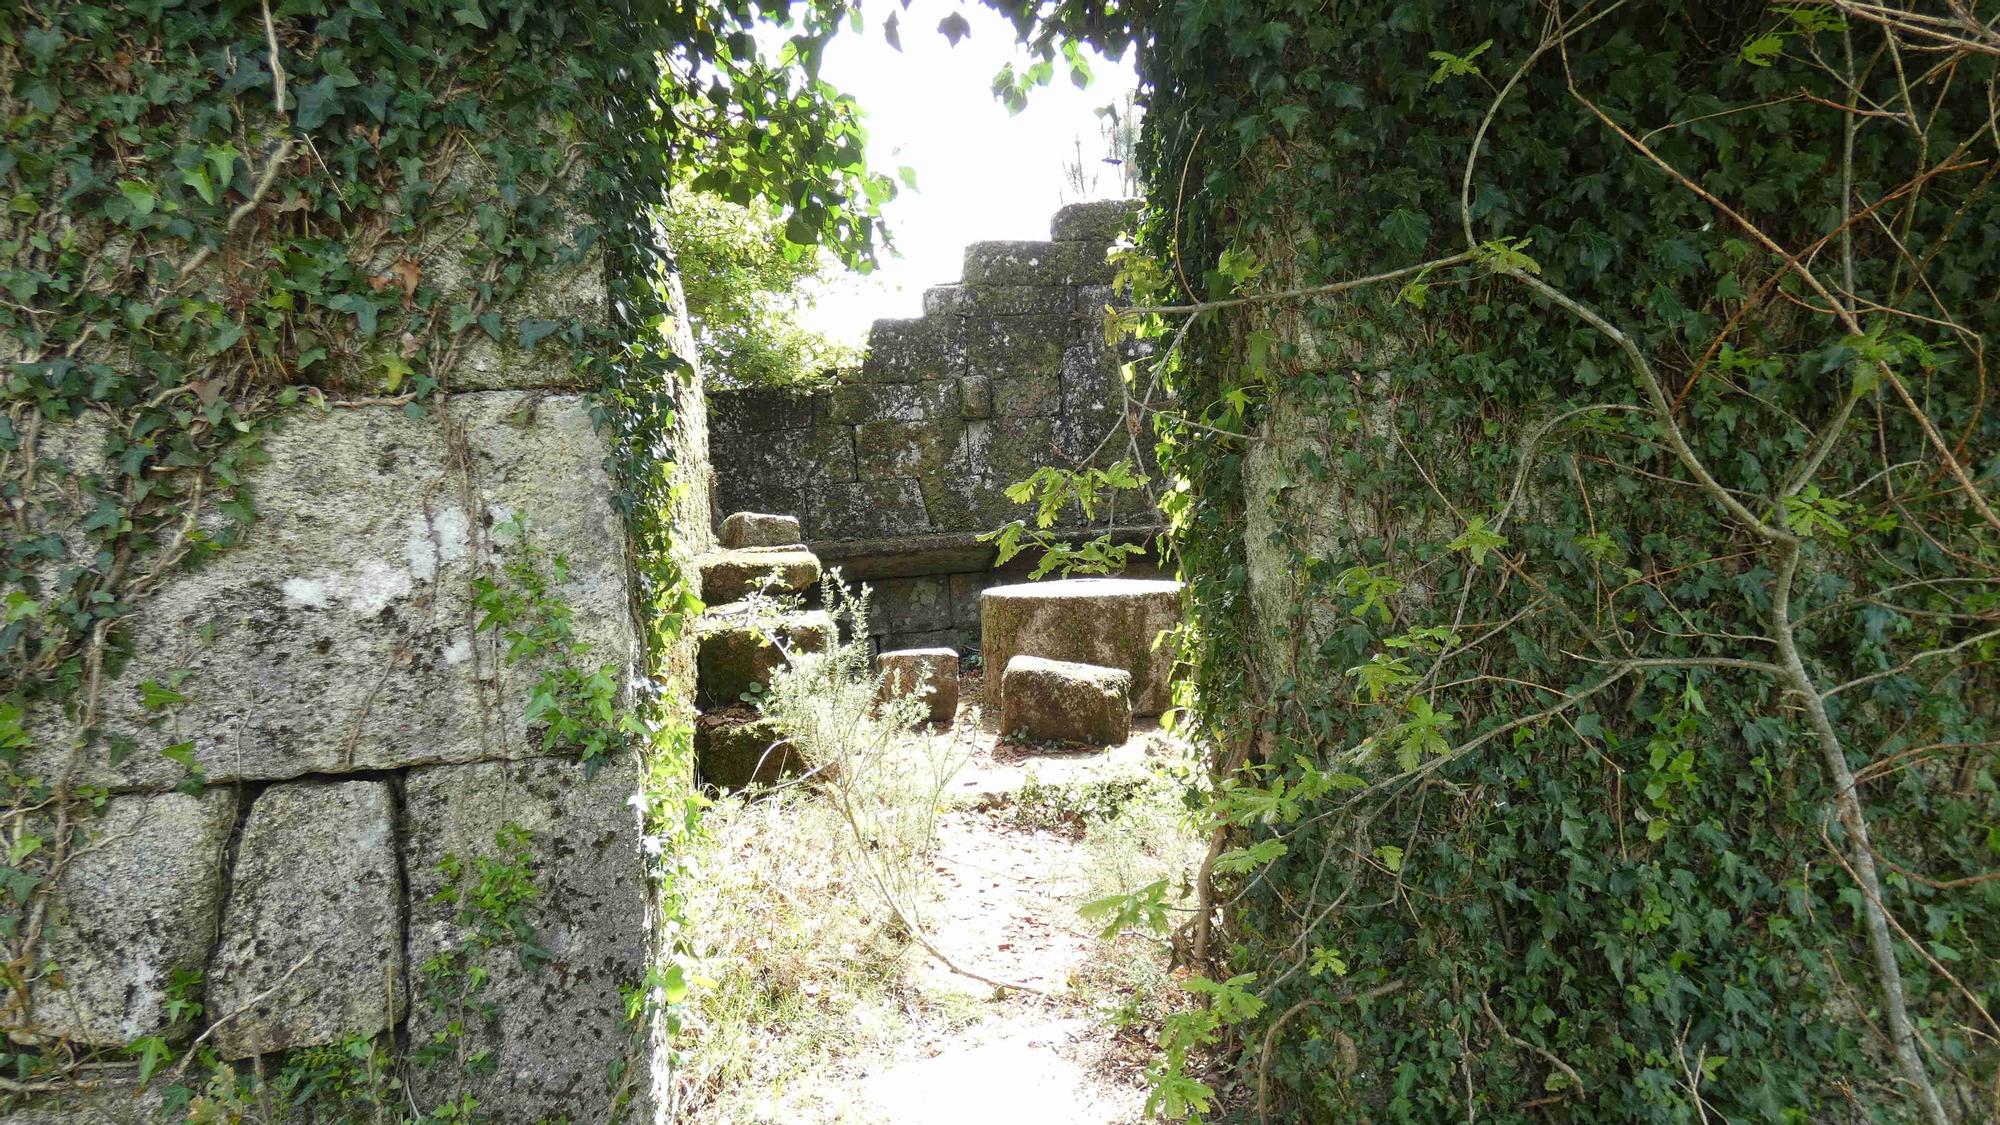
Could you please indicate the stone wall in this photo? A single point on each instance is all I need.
(895, 471)
(354, 739)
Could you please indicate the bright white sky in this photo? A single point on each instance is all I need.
(981, 173)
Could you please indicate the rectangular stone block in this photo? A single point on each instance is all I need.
(929, 674)
(1012, 263)
(866, 509)
(1084, 263)
(557, 1017)
(757, 410)
(1015, 300)
(1096, 221)
(311, 950)
(904, 351)
(965, 591)
(903, 402)
(138, 902)
(904, 449)
(1028, 396)
(339, 636)
(975, 395)
(1015, 346)
(909, 605)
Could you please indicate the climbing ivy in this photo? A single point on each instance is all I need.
(1580, 462)
(218, 212)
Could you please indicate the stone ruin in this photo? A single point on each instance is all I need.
(350, 728)
(896, 471)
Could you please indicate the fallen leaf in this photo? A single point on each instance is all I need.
(409, 271)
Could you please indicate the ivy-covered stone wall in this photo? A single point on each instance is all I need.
(347, 744)
(353, 452)
(896, 471)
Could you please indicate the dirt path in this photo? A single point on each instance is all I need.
(1006, 907)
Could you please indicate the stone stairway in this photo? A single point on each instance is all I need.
(740, 641)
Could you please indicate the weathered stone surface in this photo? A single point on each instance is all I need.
(1012, 347)
(757, 529)
(758, 410)
(1084, 263)
(910, 605)
(1032, 396)
(730, 576)
(736, 747)
(1097, 221)
(904, 449)
(965, 591)
(735, 651)
(929, 674)
(559, 1025)
(311, 949)
(905, 351)
(860, 403)
(1013, 300)
(1011, 263)
(342, 630)
(138, 901)
(869, 508)
(1106, 621)
(1063, 701)
(975, 394)
(492, 365)
(95, 1101)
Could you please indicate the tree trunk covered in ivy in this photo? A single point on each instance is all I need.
(1602, 618)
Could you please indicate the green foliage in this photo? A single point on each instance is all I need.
(1058, 493)
(746, 287)
(1647, 882)
(574, 703)
(216, 213)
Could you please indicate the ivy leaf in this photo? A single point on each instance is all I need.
(139, 195)
(533, 331)
(891, 34)
(203, 183)
(394, 370)
(153, 696)
(318, 102)
(955, 28)
(1406, 229)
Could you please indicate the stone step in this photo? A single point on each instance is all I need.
(1063, 701)
(756, 529)
(734, 650)
(929, 672)
(731, 576)
(1107, 621)
(735, 747)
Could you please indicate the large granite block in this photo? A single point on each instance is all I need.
(1015, 346)
(1097, 221)
(138, 903)
(1012, 263)
(557, 1025)
(339, 635)
(867, 509)
(311, 949)
(910, 605)
(1110, 622)
(853, 404)
(904, 449)
(905, 351)
(758, 410)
